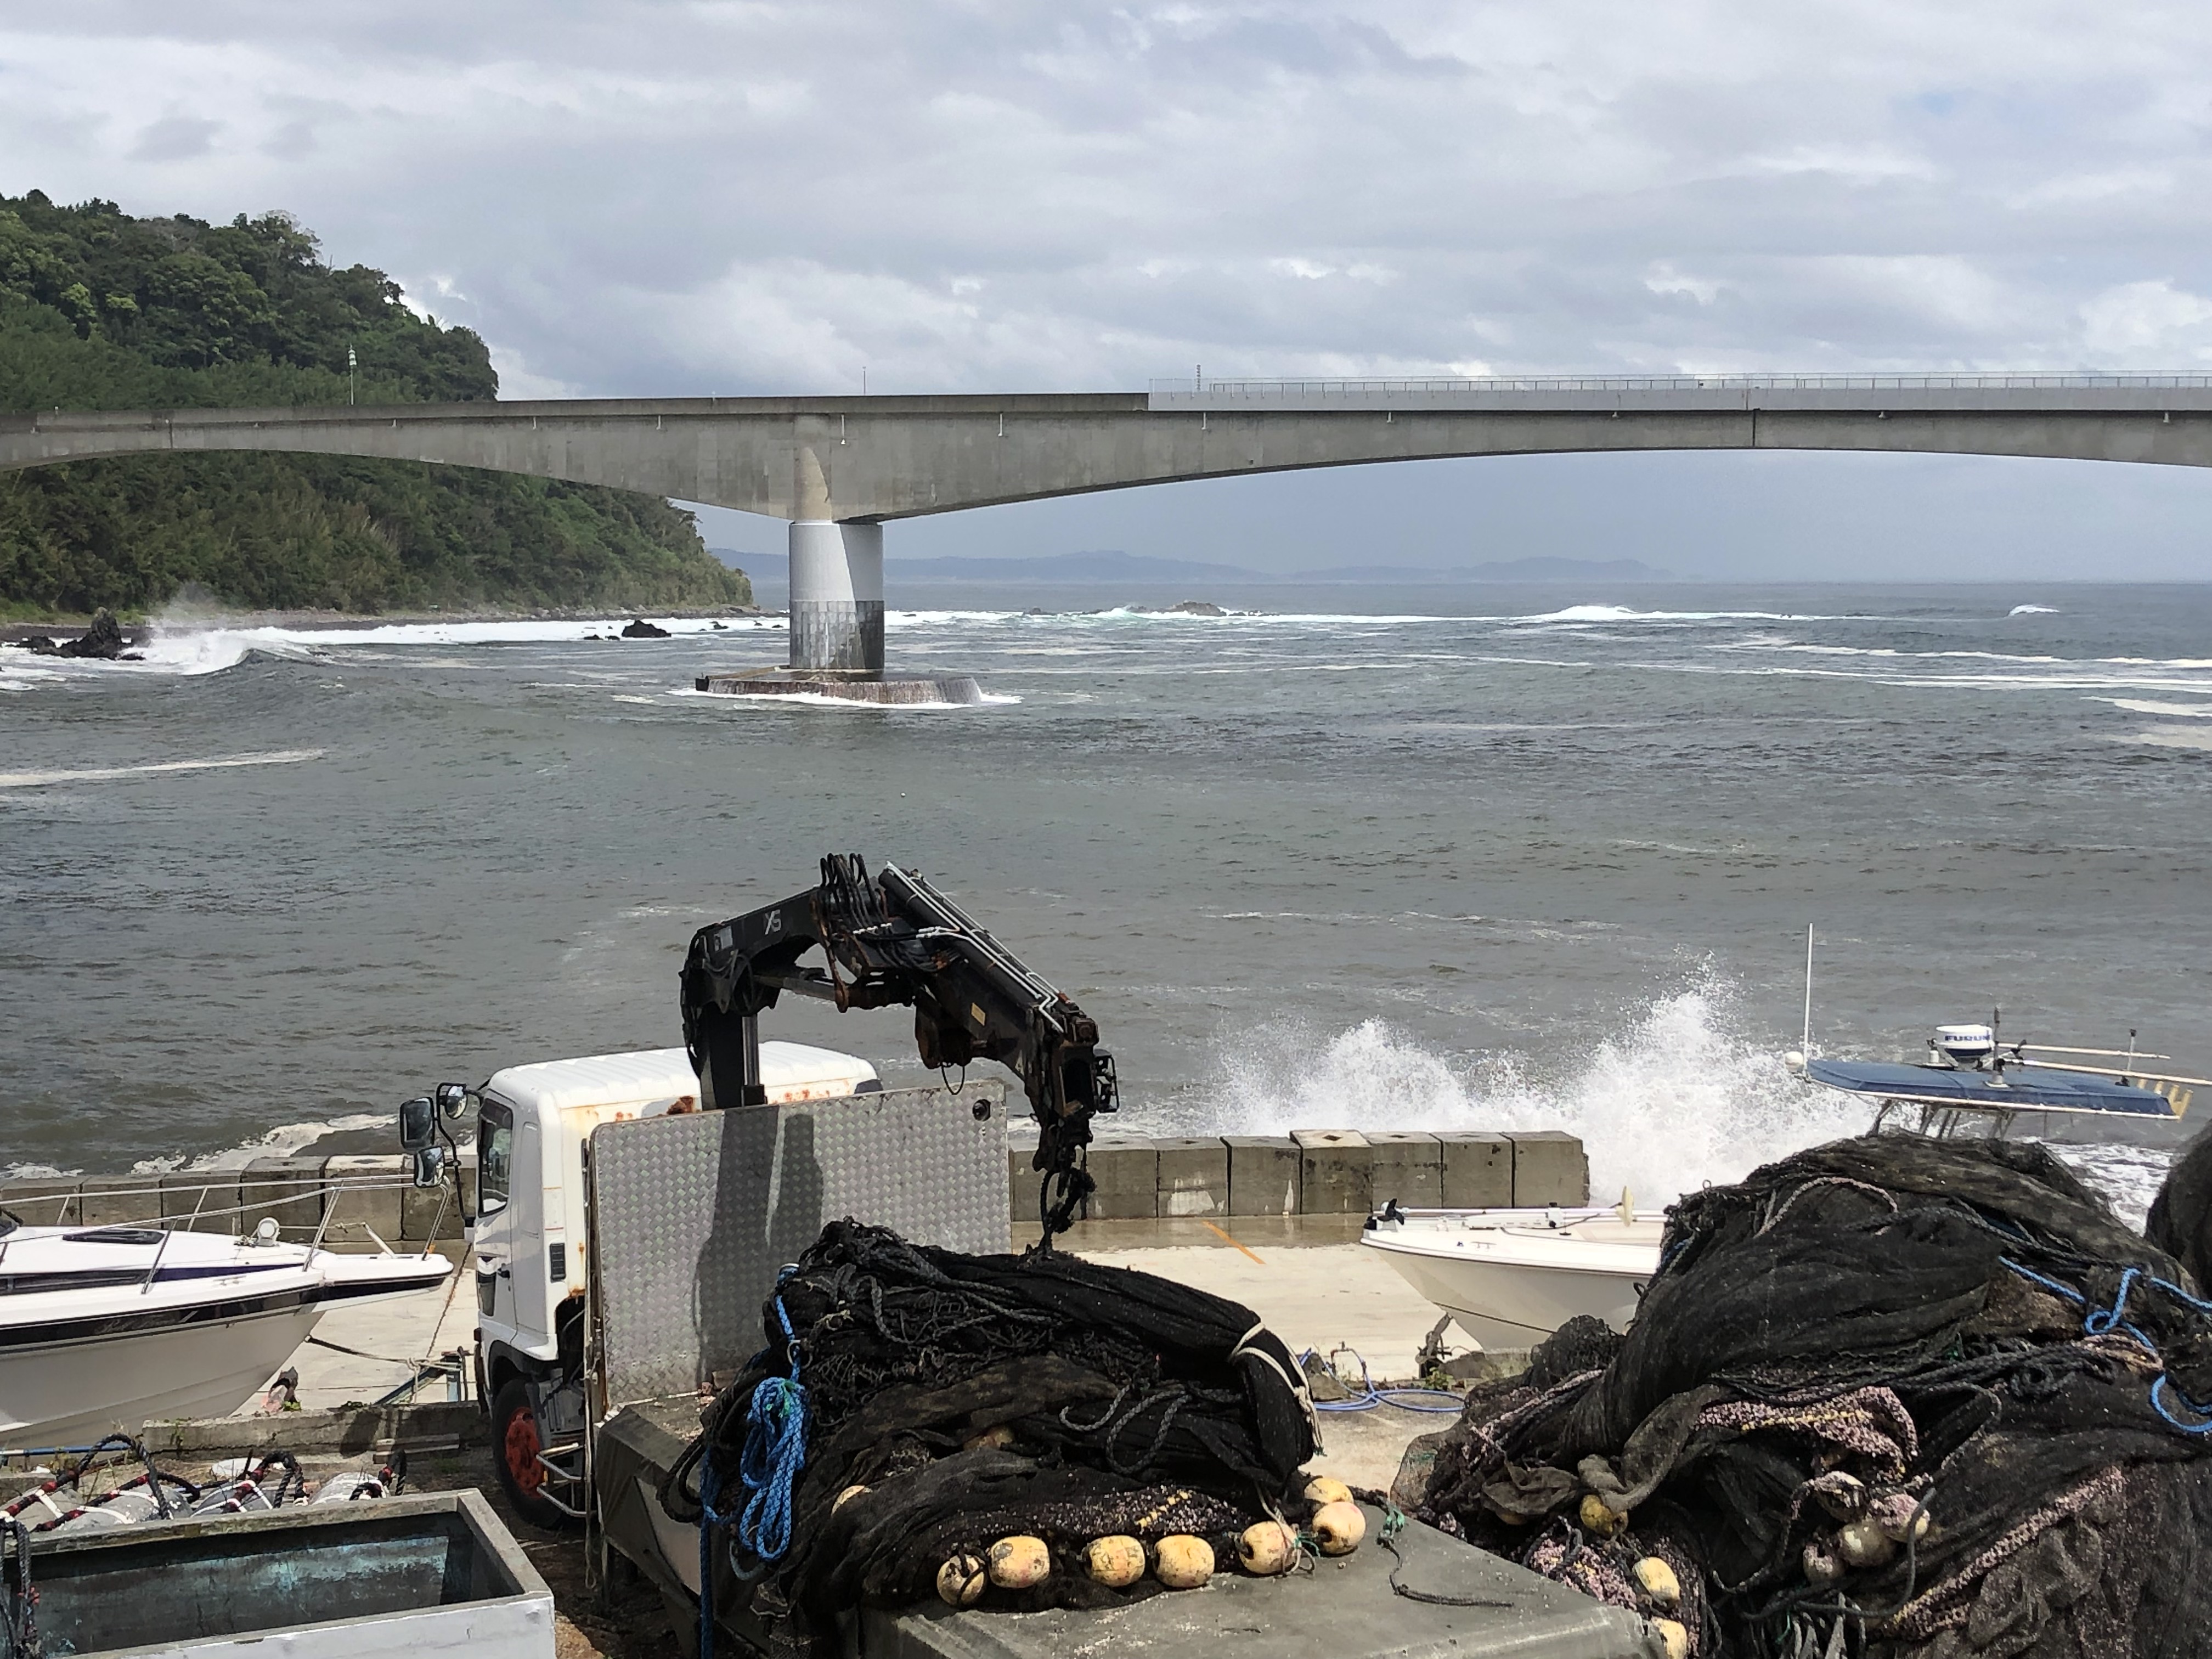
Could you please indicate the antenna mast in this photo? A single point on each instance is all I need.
(1806, 1048)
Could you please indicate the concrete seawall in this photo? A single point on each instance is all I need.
(1313, 1172)
(352, 1203)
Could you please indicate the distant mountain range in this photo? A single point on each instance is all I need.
(1111, 564)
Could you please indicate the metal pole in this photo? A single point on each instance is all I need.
(1805, 1046)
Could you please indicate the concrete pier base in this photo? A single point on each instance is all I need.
(847, 685)
(837, 597)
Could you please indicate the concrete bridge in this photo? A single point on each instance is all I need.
(838, 468)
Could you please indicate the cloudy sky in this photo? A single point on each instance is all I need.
(649, 196)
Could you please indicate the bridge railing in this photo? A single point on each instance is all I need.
(2024, 380)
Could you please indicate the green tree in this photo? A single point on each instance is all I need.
(99, 310)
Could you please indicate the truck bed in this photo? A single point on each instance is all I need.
(1345, 1609)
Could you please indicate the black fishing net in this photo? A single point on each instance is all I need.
(1890, 1396)
(980, 1397)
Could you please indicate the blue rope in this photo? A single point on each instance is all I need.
(710, 1516)
(774, 1452)
(1369, 1396)
(2204, 1424)
(2102, 1321)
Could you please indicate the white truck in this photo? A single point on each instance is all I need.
(628, 1233)
(533, 1260)
(558, 1341)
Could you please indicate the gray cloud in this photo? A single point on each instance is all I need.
(662, 196)
(179, 138)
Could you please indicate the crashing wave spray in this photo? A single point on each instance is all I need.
(1677, 1099)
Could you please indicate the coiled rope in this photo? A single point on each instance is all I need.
(2103, 1322)
(1369, 1396)
(768, 1466)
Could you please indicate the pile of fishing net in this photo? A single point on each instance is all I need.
(1892, 1397)
(1027, 1431)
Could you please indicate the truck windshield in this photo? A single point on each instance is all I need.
(494, 1154)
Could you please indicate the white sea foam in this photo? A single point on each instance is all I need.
(2172, 737)
(2032, 610)
(2202, 711)
(107, 774)
(191, 653)
(520, 631)
(821, 700)
(1675, 1099)
(2128, 1176)
(189, 650)
(286, 1138)
(1619, 613)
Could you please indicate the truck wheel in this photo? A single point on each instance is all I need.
(514, 1448)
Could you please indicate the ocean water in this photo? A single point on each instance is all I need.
(1395, 857)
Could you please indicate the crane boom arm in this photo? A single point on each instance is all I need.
(894, 939)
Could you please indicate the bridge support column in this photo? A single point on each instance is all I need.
(837, 597)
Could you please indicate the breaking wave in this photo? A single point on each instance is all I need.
(821, 700)
(173, 649)
(108, 774)
(1675, 1099)
(1679, 1099)
(275, 1143)
(1619, 613)
(2032, 610)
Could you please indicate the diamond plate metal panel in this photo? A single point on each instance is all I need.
(692, 1216)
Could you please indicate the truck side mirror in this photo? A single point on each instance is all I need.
(454, 1101)
(418, 1124)
(429, 1166)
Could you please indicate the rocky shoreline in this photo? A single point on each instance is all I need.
(135, 630)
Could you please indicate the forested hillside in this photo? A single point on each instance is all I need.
(99, 310)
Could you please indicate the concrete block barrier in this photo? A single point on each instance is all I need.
(1408, 1165)
(364, 1197)
(49, 1203)
(1478, 1169)
(1194, 1176)
(1126, 1169)
(422, 1208)
(288, 1189)
(1336, 1172)
(1263, 1175)
(1549, 1167)
(119, 1200)
(206, 1202)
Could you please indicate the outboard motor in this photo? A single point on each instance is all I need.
(1963, 1048)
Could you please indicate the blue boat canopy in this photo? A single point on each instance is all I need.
(2016, 1087)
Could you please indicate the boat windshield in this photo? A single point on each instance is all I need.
(494, 1154)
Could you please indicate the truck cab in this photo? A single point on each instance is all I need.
(529, 1240)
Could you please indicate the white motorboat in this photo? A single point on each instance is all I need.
(105, 1329)
(1511, 1278)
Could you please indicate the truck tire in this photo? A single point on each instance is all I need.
(514, 1448)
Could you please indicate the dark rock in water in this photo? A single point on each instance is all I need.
(1196, 607)
(43, 644)
(640, 629)
(721, 628)
(103, 642)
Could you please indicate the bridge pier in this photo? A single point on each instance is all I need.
(837, 597)
(837, 627)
